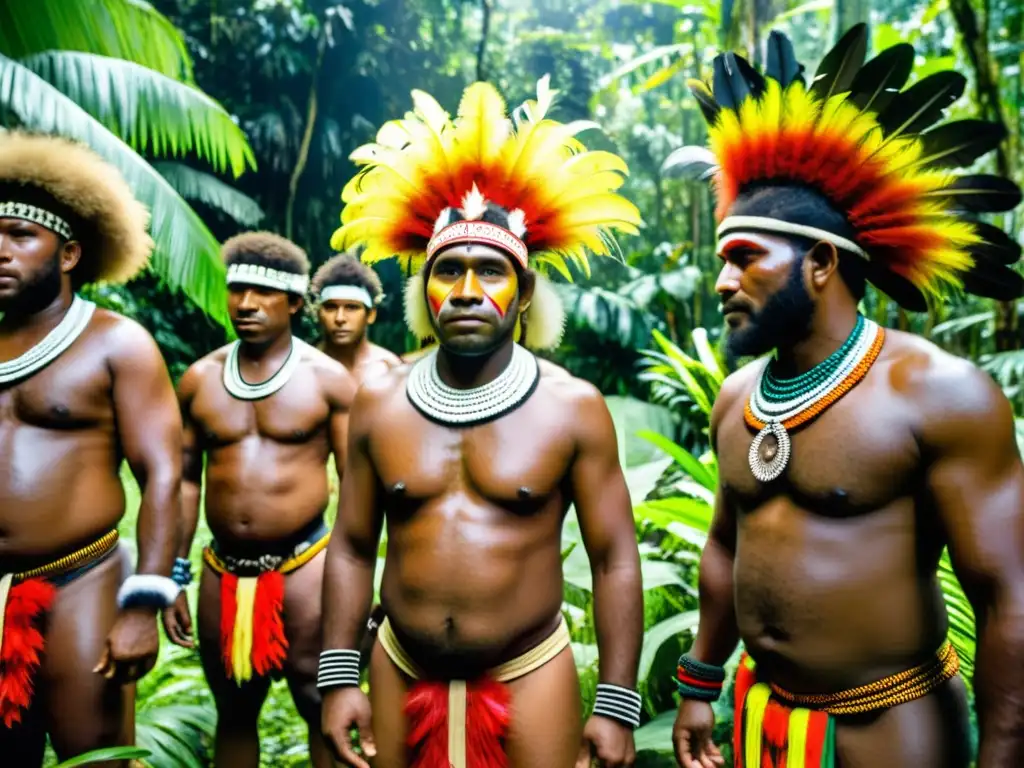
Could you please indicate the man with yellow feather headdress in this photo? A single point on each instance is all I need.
(81, 390)
(852, 456)
(474, 453)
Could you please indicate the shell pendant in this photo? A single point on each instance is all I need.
(769, 453)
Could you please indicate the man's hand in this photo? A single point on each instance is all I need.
(343, 710)
(178, 622)
(131, 647)
(691, 736)
(607, 744)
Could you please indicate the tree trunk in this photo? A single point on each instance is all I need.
(307, 135)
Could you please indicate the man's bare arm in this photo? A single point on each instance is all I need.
(352, 553)
(341, 387)
(606, 521)
(192, 462)
(149, 430)
(977, 483)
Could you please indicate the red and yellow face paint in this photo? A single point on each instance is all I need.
(498, 287)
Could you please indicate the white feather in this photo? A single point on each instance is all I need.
(443, 220)
(517, 223)
(474, 206)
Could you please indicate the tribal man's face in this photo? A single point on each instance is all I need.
(260, 314)
(30, 264)
(764, 300)
(344, 321)
(473, 296)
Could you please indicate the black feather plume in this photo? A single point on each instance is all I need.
(993, 281)
(878, 81)
(705, 100)
(753, 78)
(730, 86)
(998, 247)
(782, 64)
(981, 193)
(840, 66)
(959, 143)
(897, 288)
(921, 105)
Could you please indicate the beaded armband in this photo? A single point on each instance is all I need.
(700, 681)
(618, 703)
(182, 571)
(339, 668)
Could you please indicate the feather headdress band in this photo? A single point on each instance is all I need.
(870, 149)
(525, 185)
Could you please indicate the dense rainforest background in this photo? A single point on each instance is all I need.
(228, 115)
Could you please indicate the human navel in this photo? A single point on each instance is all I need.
(398, 489)
(524, 492)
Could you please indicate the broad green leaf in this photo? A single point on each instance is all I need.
(187, 255)
(153, 113)
(101, 755)
(657, 635)
(690, 464)
(693, 513)
(196, 185)
(656, 735)
(125, 29)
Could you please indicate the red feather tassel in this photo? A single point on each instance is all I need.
(488, 714)
(23, 642)
(269, 646)
(228, 608)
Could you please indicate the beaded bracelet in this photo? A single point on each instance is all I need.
(339, 668)
(700, 681)
(618, 703)
(147, 590)
(182, 571)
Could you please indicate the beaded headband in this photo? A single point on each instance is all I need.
(40, 216)
(482, 232)
(347, 292)
(254, 274)
(732, 225)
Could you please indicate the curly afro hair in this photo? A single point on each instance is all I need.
(346, 269)
(265, 249)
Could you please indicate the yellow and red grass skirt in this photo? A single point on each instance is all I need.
(460, 723)
(26, 599)
(778, 729)
(252, 637)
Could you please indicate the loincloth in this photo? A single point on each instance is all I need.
(252, 637)
(459, 723)
(27, 598)
(778, 729)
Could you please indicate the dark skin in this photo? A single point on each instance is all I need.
(266, 480)
(498, 492)
(63, 434)
(828, 575)
(345, 323)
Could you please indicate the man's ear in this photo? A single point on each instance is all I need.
(295, 303)
(527, 285)
(824, 261)
(70, 254)
(371, 316)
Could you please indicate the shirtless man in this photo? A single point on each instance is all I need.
(266, 446)
(850, 460)
(347, 293)
(472, 665)
(74, 380)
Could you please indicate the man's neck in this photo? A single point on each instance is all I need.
(277, 347)
(828, 332)
(349, 355)
(470, 371)
(42, 318)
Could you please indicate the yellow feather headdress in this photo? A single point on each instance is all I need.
(428, 180)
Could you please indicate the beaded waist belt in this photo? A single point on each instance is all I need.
(302, 553)
(86, 556)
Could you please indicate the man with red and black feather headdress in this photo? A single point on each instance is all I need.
(855, 454)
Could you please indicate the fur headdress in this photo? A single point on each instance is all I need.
(525, 185)
(88, 197)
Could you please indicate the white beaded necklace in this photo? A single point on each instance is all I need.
(243, 390)
(51, 346)
(463, 407)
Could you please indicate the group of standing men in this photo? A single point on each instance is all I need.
(822, 552)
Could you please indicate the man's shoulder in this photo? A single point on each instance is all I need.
(739, 383)
(209, 367)
(122, 333)
(568, 389)
(383, 355)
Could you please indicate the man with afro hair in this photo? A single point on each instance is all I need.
(348, 293)
(266, 411)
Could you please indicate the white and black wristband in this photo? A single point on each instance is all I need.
(147, 590)
(618, 703)
(338, 669)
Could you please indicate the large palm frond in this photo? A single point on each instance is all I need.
(148, 110)
(196, 185)
(125, 29)
(187, 255)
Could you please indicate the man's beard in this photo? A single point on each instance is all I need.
(783, 320)
(38, 291)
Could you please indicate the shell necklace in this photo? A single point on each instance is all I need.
(243, 390)
(779, 406)
(465, 407)
(51, 346)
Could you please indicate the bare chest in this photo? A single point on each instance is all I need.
(73, 392)
(294, 414)
(858, 456)
(518, 462)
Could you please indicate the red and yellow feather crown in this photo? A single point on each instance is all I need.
(870, 150)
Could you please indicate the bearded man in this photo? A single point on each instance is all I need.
(855, 455)
(473, 455)
(347, 294)
(81, 389)
(266, 411)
